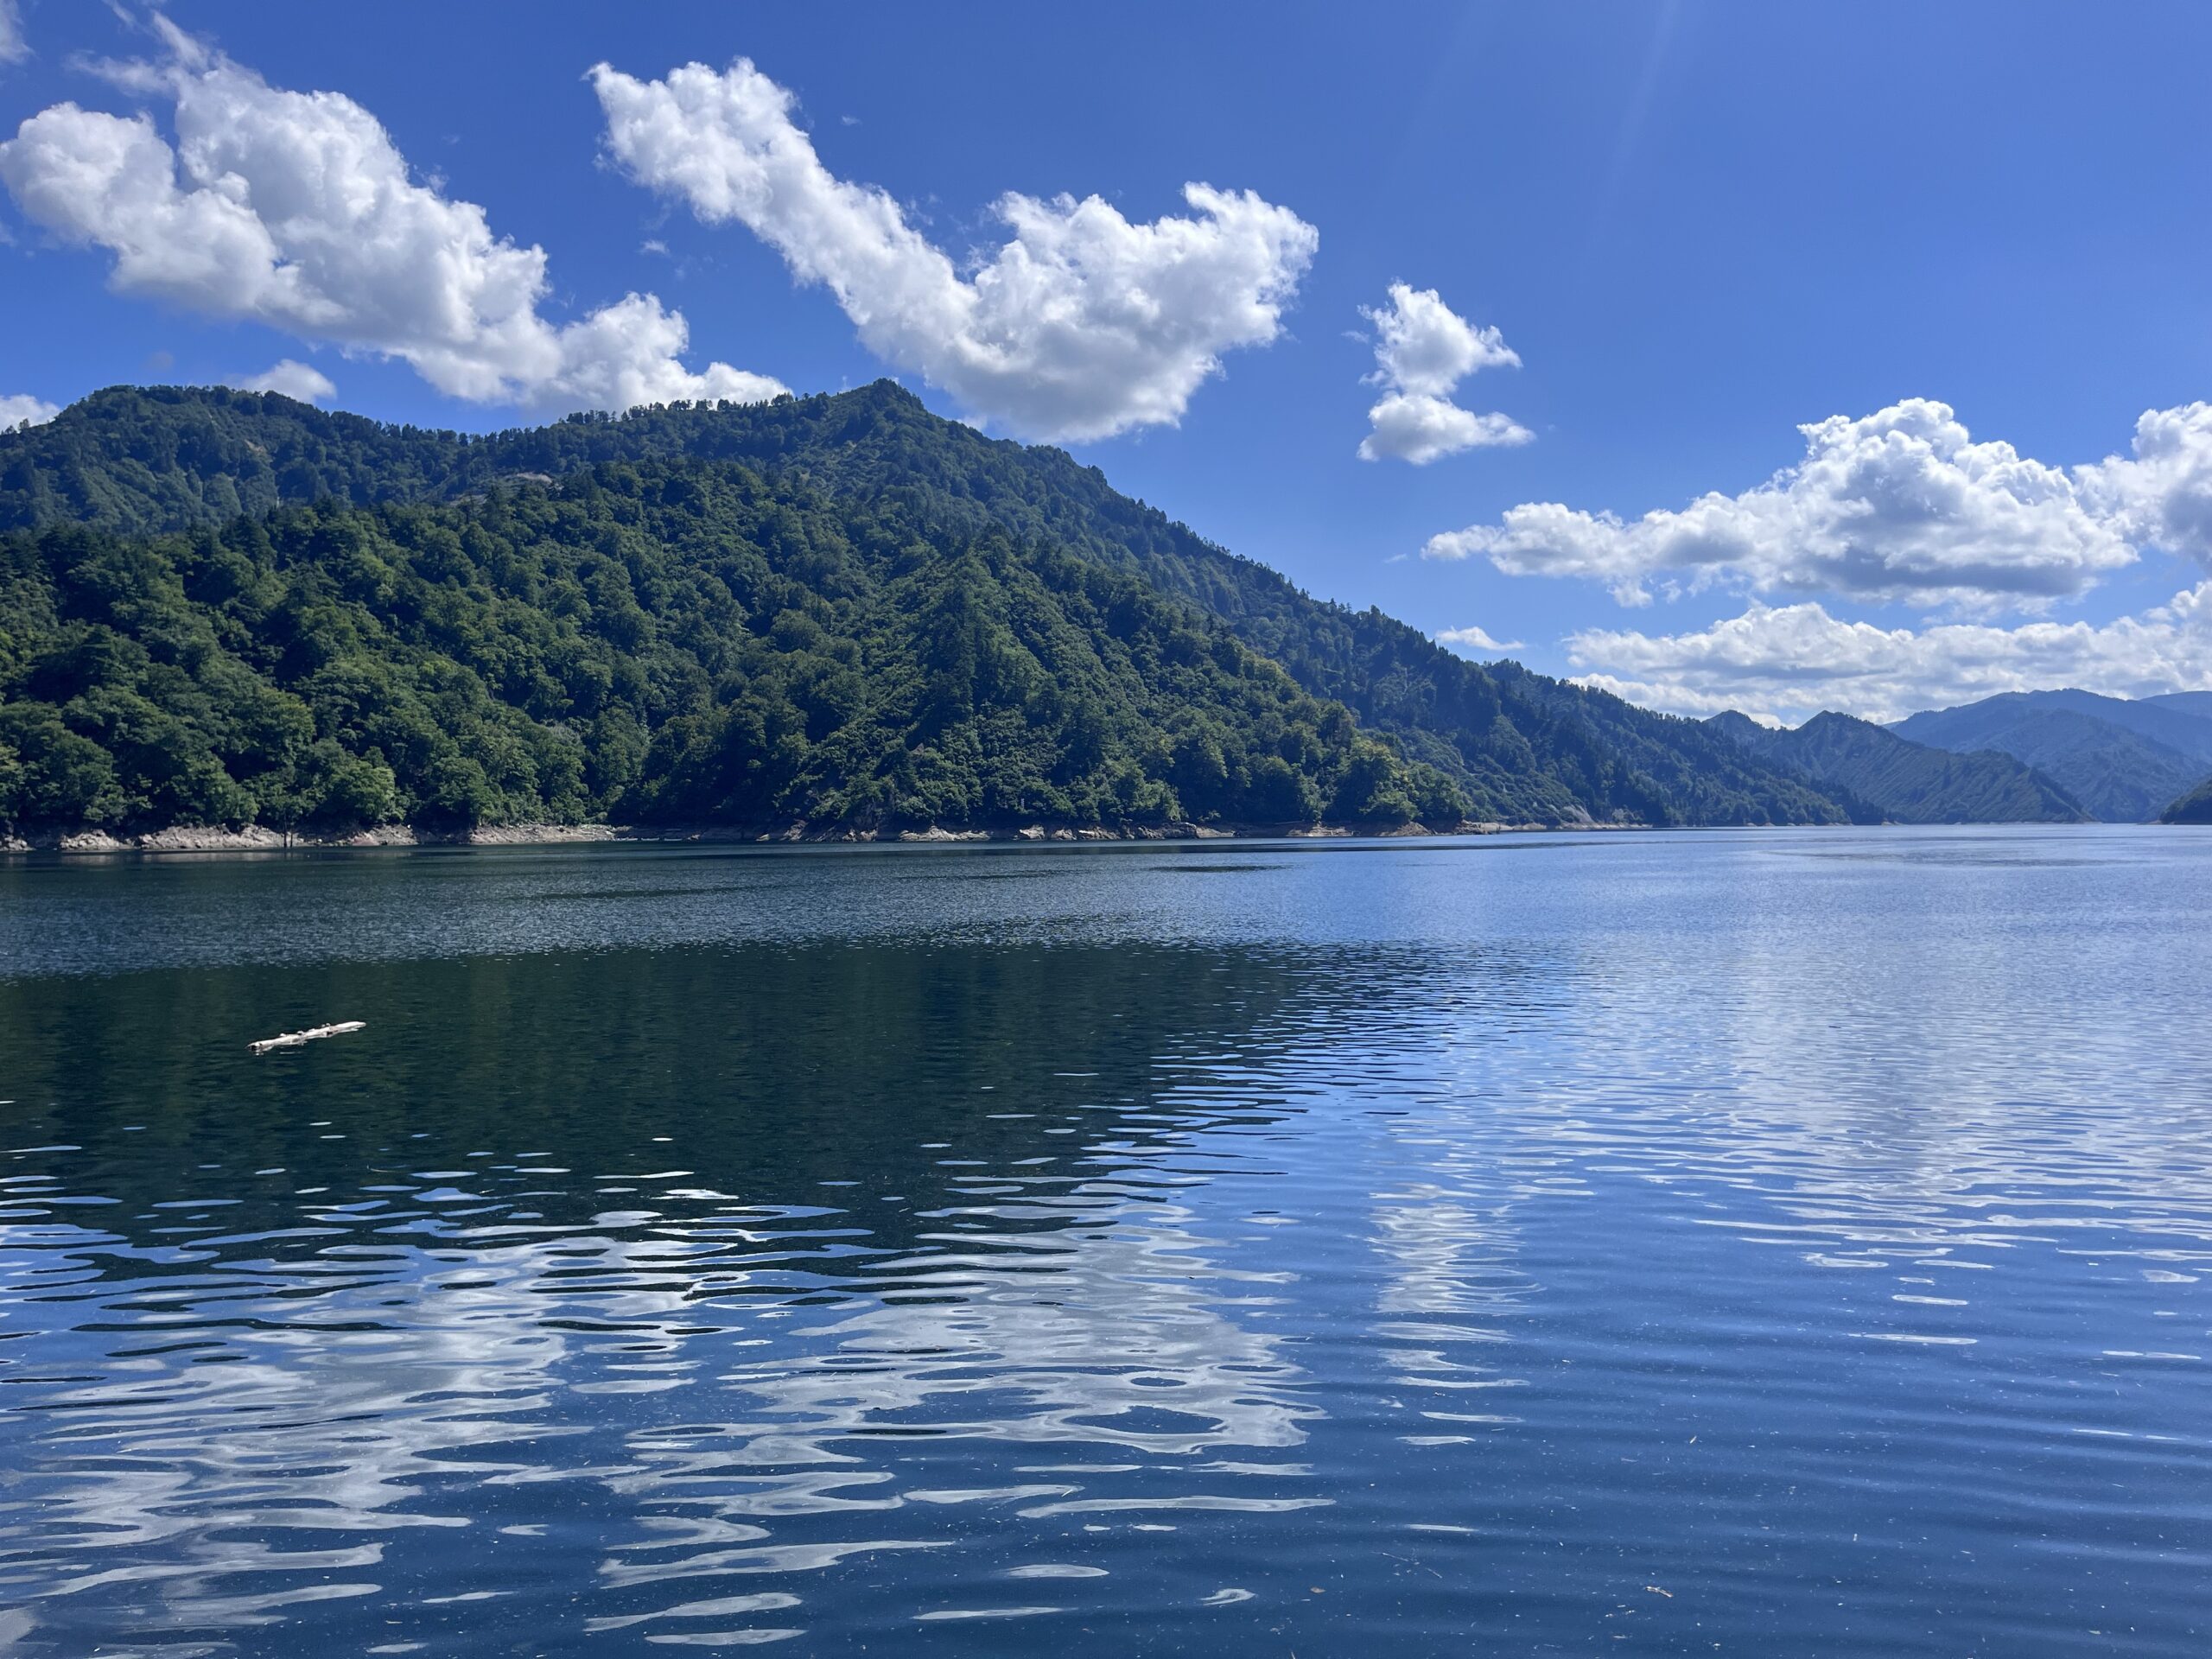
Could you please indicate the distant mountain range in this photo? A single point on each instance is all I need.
(2125, 761)
(1883, 778)
(2022, 757)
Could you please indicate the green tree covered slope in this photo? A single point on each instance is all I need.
(674, 641)
(1521, 747)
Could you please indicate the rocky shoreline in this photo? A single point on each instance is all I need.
(256, 839)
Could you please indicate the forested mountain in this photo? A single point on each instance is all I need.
(1520, 747)
(668, 641)
(2196, 807)
(1882, 779)
(2176, 719)
(2123, 760)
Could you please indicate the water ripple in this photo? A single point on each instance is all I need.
(1786, 1242)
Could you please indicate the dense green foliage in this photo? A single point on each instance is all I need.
(2122, 760)
(1522, 747)
(1883, 779)
(140, 461)
(2196, 807)
(664, 642)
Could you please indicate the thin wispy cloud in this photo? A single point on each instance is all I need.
(1474, 642)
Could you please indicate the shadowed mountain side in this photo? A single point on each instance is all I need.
(1523, 747)
(2196, 807)
(1886, 778)
(2123, 761)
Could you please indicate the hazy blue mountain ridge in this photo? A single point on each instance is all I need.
(2123, 760)
(2198, 703)
(1884, 778)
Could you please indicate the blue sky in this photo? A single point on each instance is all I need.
(1697, 226)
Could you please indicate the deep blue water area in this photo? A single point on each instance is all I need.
(1748, 1243)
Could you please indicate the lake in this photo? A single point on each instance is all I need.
(1784, 1241)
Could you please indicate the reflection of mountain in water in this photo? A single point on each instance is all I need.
(761, 1071)
(764, 1259)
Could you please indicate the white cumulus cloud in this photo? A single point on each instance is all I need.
(1081, 325)
(293, 379)
(296, 210)
(1421, 430)
(1423, 349)
(2161, 496)
(1901, 505)
(19, 408)
(1473, 641)
(1793, 660)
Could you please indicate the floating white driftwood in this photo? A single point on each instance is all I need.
(294, 1039)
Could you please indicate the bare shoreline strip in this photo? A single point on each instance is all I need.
(256, 839)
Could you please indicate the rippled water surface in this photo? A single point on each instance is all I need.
(1780, 1243)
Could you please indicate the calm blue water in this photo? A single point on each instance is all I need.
(1775, 1243)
